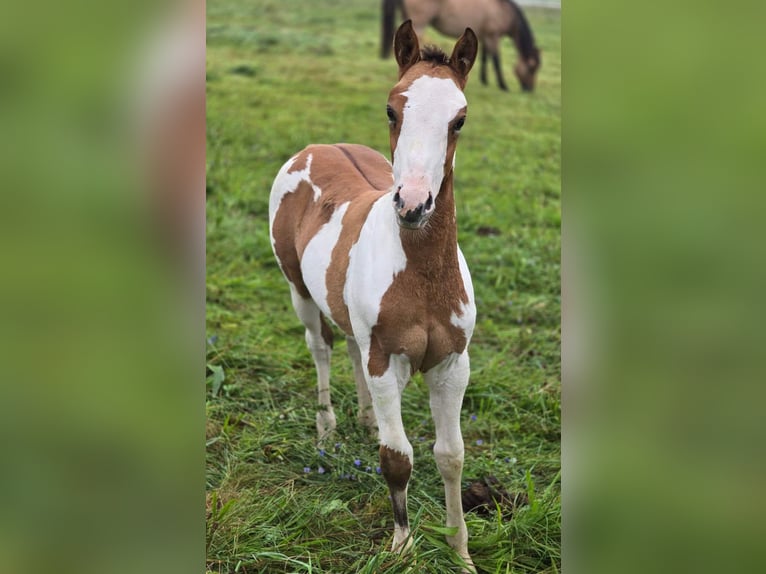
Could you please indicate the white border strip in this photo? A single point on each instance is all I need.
(550, 4)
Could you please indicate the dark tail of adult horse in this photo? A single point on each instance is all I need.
(388, 24)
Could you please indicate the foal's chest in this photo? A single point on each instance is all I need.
(426, 321)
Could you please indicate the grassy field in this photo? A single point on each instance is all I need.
(281, 75)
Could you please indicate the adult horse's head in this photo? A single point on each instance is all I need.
(526, 69)
(426, 111)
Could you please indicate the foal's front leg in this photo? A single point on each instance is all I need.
(447, 383)
(395, 450)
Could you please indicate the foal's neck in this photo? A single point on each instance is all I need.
(433, 249)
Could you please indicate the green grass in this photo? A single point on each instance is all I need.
(283, 75)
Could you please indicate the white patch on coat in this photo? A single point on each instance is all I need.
(466, 319)
(286, 183)
(317, 255)
(374, 260)
(432, 103)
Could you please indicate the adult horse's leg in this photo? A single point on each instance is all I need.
(499, 71)
(483, 71)
(492, 44)
(366, 414)
(319, 341)
(395, 450)
(447, 383)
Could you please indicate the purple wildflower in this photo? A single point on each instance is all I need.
(307, 469)
(321, 452)
(357, 462)
(377, 469)
(320, 470)
(367, 468)
(479, 442)
(473, 417)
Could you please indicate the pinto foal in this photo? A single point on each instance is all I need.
(373, 247)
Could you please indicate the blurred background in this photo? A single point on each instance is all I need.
(662, 279)
(101, 297)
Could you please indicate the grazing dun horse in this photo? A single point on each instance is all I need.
(373, 246)
(491, 19)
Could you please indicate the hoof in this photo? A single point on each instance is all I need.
(402, 543)
(469, 567)
(325, 424)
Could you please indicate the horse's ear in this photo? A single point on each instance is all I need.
(406, 47)
(464, 55)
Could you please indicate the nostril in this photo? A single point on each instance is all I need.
(429, 202)
(398, 200)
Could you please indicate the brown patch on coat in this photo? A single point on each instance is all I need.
(344, 173)
(396, 468)
(300, 163)
(327, 334)
(286, 220)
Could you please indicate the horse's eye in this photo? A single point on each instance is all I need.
(391, 115)
(458, 125)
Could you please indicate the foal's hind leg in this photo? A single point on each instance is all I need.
(319, 341)
(447, 383)
(366, 414)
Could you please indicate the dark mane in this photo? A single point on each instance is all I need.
(433, 54)
(525, 41)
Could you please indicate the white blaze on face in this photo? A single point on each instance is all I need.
(420, 154)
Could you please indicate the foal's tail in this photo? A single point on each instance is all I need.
(388, 18)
